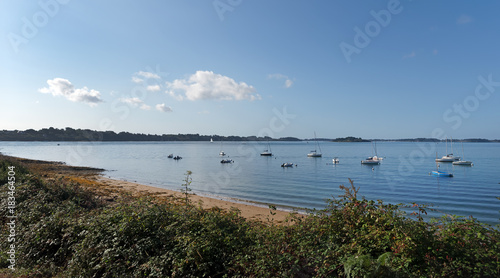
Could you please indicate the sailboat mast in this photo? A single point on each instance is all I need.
(317, 144)
(451, 142)
(463, 154)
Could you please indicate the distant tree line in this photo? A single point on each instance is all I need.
(350, 139)
(70, 134)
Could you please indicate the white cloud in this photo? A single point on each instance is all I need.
(62, 87)
(145, 107)
(278, 76)
(137, 80)
(204, 85)
(163, 108)
(464, 19)
(139, 76)
(153, 88)
(148, 75)
(136, 102)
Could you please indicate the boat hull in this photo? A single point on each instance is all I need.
(448, 158)
(314, 155)
(441, 174)
(464, 163)
(370, 162)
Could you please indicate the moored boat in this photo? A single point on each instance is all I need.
(441, 174)
(314, 153)
(449, 157)
(372, 160)
(267, 152)
(462, 162)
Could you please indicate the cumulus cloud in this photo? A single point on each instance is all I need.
(278, 76)
(205, 85)
(163, 108)
(136, 102)
(464, 19)
(62, 87)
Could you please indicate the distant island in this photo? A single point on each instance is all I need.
(350, 139)
(71, 134)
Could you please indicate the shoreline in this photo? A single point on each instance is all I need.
(285, 208)
(94, 179)
(248, 210)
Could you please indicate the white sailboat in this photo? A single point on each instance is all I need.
(267, 152)
(449, 157)
(314, 153)
(372, 160)
(462, 162)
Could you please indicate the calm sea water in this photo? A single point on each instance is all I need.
(403, 176)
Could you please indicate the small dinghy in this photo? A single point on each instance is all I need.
(177, 157)
(287, 165)
(226, 161)
(442, 174)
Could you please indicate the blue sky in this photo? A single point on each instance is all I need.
(371, 69)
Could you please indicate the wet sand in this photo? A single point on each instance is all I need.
(248, 211)
(93, 179)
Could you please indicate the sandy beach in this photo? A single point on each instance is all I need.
(251, 212)
(92, 178)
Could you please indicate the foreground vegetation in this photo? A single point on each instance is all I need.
(65, 229)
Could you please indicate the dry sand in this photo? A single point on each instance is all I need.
(105, 187)
(248, 211)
